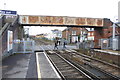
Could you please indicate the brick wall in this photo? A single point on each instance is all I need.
(67, 32)
(64, 34)
(98, 35)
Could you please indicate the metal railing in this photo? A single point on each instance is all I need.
(85, 45)
(23, 46)
(7, 25)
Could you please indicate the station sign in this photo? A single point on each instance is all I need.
(8, 12)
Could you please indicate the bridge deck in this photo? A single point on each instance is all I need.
(60, 21)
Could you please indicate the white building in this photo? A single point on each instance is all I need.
(54, 33)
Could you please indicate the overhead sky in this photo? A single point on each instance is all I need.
(78, 8)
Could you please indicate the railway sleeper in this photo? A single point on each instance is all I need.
(71, 75)
(65, 68)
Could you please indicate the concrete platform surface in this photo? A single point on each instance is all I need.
(46, 68)
(109, 51)
(26, 66)
(15, 66)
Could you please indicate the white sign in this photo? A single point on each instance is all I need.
(10, 40)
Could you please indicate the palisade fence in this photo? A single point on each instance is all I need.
(23, 46)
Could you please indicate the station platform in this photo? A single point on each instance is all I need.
(108, 51)
(45, 68)
(15, 66)
(34, 65)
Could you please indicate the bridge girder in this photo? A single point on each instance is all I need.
(60, 21)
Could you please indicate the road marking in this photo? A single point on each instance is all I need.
(38, 67)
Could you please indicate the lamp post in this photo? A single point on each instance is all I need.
(113, 37)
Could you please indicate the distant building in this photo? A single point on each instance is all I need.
(90, 35)
(65, 33)
(54, 34)
(40, 36)
(73, 34)
(57, 33)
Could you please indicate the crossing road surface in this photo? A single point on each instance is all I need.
(51, 47)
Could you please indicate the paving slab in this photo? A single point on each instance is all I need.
(15, 66)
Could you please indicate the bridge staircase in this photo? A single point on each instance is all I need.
(6, 23)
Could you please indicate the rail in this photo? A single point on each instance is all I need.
(63, 78)
(60, 59)
(96, 67)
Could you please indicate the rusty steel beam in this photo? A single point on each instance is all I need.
(60, 20)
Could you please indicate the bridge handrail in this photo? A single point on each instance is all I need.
(7, 25)
(15, 21)
(1, 16)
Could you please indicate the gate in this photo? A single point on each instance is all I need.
(104, 43)
(23, 46)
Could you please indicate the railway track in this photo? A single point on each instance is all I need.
(65, 68)
(102, 69)
(94, 68)
(41, 42)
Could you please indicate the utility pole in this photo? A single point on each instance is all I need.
(115, 40)
(113, 37)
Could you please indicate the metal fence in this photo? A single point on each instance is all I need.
(104, 43)
(110, 43)
(23, 46)
(86, 45)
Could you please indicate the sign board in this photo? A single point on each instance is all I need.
(8, 12)
(10, 40)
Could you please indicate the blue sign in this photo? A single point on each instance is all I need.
(8, 12)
